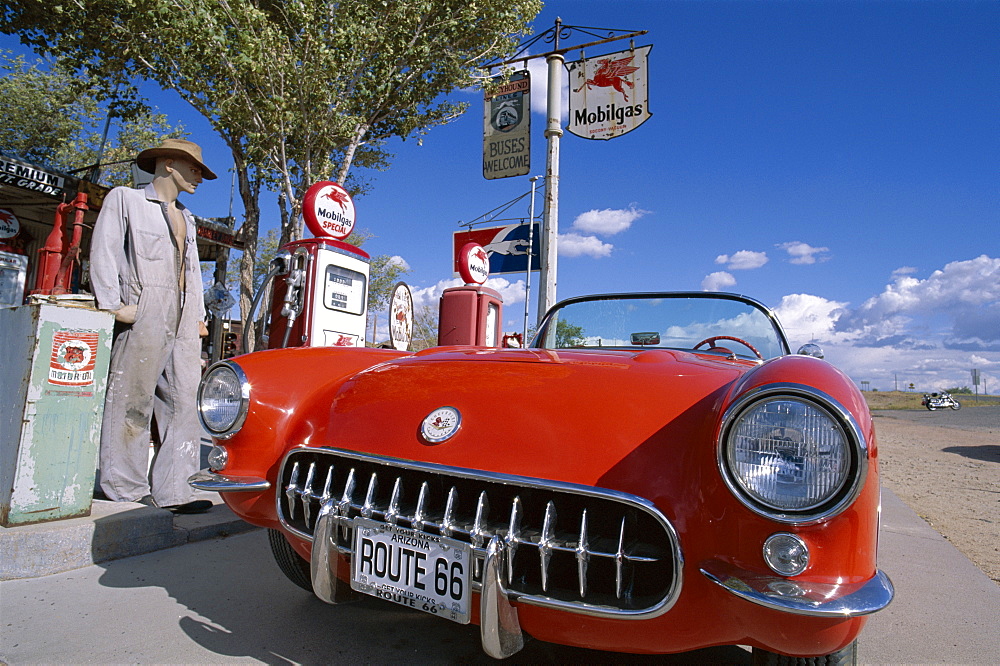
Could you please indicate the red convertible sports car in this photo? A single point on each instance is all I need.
(656, 473)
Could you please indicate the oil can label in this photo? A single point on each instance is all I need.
(74, 357)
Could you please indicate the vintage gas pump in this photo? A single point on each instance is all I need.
(320, 285)
(321, 299)
(471, 315)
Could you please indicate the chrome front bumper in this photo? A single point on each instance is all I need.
(801, 597)
(214, 482)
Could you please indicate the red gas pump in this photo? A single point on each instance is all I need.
(471, 315)
(59, 255)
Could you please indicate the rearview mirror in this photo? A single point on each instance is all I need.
(643, 339)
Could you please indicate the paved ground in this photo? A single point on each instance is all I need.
(970, 417)
(223, 601)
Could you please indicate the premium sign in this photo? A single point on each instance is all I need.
(608, 95)
(28, 177)
(329, 210)
(507, 129)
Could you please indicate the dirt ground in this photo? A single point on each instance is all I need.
(946, 466)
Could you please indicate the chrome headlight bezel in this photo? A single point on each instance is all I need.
(241, 395)
(856, 451)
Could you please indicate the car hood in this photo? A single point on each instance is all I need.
(570, 415)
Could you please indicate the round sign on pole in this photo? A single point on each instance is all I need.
(328, 210)
(401, 317)
(473, 263)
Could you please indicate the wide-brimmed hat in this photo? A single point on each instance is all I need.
(182, 148)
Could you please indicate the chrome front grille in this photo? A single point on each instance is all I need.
(579, 548)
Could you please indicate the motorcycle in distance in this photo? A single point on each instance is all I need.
(941, 400)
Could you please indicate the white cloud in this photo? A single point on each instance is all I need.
(575, 245)
(926, 332)
(718, 281)
(805, 317)
(742, 260)
(397, 260)
(959, 303)
(581, 240)
(803, 253)
(511, 292)
(607, 222)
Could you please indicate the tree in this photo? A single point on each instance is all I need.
(47, 116)
(292, 87)
(425, 327)
(568, 335)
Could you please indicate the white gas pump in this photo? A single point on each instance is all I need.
(319, 295)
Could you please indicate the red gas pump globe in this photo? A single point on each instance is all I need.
(328, 210)
(473, 263)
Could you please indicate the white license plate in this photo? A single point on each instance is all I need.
(410, 568)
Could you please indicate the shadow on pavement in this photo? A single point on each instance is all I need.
(242, 606)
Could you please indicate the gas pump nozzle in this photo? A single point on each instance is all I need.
(280, 265)
(296, 280)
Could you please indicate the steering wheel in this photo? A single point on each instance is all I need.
(711, 343)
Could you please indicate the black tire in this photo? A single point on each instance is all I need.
(293, 565)
(956, 404)
(844, 656)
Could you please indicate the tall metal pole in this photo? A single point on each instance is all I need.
(527, 273)
(550, 214)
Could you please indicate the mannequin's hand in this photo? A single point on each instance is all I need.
(202, 329)
(125, 314)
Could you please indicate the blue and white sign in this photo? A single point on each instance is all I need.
(507, 247)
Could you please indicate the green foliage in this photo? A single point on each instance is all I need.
(964, 390)
(568, 335)
(425, 327)
(42, 112)
(299, 90)
(385, 273)
(49, 117)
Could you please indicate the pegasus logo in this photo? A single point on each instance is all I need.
(337, 196)
(611, 74)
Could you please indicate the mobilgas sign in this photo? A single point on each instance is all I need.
(507, 129)
(507, 247)
(608, 95)
(329, 210)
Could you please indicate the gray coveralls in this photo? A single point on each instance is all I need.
(155, 362)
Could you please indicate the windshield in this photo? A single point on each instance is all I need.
(664, 321)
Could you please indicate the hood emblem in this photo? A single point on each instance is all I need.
(440, 425)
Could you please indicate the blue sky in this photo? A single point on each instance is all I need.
(837, 160)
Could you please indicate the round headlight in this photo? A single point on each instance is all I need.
(789, 455)
(223, 399)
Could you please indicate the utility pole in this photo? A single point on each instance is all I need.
(550, 213)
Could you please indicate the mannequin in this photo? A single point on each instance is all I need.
(145, 270)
